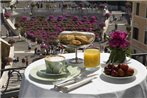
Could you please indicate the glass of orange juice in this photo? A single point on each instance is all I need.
(91, 58)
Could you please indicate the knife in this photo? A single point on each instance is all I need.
(60, 85)
(65, 82)
(75, 85)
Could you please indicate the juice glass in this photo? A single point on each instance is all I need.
(91, 58)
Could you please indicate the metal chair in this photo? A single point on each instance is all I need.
(142, 57)
(13, 91)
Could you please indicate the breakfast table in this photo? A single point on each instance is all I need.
(100, 87)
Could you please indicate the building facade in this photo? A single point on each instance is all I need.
(139, 27)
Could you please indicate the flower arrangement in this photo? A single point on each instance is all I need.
(119, 46)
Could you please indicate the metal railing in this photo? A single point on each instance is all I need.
(142, 57)
(9, 92)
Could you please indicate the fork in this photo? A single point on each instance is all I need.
(66, 82)
(76, 79)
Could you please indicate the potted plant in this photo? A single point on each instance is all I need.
(119, 46)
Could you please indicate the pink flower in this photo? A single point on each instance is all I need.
(51, 17)
(24, 18)
(80, 22)
(60, 18)
(93, 17)
(118, 35)
(123, 35)
(118, 40)
(114, 43)
(75, 18)
(124, 44)
(85, 17)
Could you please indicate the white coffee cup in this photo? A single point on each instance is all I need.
(55, 64)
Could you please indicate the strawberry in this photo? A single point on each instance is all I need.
(124, 67)
(130, 72)
(121, 73)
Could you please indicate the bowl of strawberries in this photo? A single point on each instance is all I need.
(119, 71)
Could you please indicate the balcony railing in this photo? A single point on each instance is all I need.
(142, 57)
(8, 91)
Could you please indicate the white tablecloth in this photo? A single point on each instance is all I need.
(101, 87)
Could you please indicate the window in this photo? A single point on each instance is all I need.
(135, 33)
(145, 37)
(137, 9)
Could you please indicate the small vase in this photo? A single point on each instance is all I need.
(117, 56)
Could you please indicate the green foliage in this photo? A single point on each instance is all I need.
(117, 56)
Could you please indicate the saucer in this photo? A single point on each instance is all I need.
(37, 74)
(44, 74)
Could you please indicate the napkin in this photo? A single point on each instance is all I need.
(71, 85)
(59, 87)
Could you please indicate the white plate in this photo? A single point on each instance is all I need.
(126, 77)
(50, 79)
